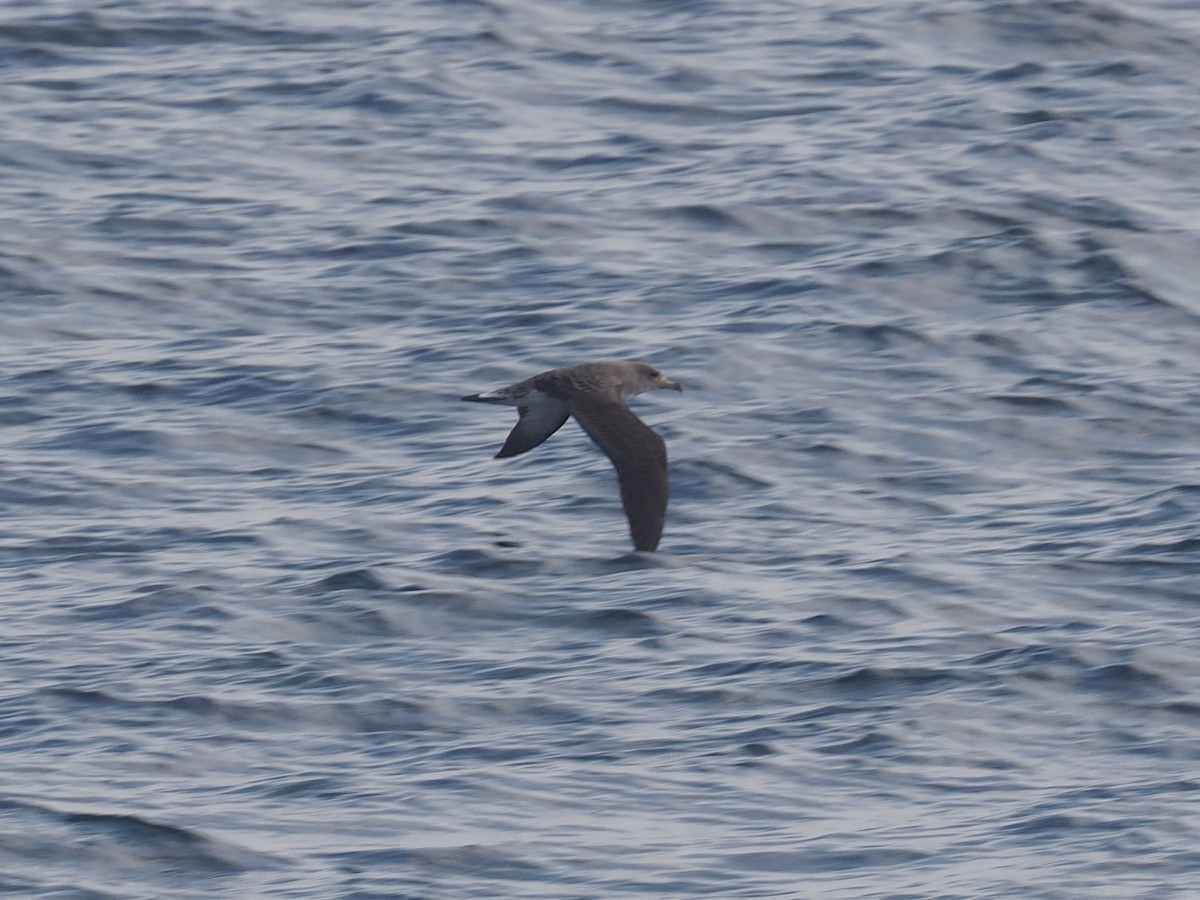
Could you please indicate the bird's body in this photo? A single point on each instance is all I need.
(595, 394)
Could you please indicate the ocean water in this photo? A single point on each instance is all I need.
(924, 622)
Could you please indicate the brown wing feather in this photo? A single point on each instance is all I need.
(534, 425)
(640, 458)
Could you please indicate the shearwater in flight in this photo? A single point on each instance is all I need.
(595, 394)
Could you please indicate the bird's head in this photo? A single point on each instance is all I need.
(650, 379)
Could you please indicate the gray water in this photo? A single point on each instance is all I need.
(924, 620)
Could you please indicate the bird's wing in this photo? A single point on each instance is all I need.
(640, 458)
(534, 425)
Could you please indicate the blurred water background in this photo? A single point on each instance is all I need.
(924, 622)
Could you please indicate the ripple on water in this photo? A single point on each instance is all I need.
(923, 617)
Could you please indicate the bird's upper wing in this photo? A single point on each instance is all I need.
(536, 423)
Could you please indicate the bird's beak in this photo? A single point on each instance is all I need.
(667, 384)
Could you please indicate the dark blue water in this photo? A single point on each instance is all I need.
(925, 620)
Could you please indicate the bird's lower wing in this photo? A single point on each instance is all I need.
(640, 458)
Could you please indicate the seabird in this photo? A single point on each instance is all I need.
(595, 394)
